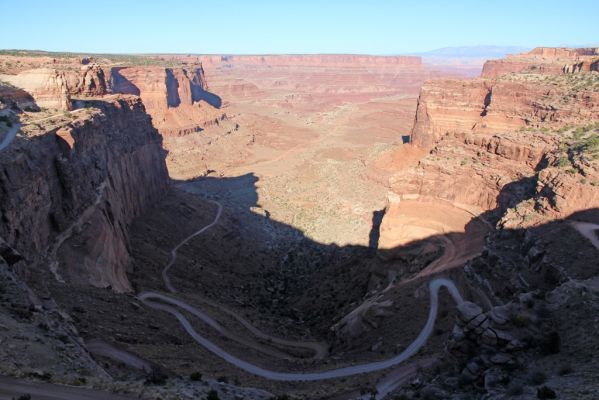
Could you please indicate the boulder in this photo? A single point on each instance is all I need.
(468, 311)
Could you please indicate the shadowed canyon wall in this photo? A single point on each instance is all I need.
(88, 179)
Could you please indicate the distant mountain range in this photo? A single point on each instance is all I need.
(473, 52)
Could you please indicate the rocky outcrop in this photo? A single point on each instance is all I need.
(500, 105)
(544, 60)
(176, 98)
(563, 52)
(88, 82)
(474, 169)
(49, 87)
(68, 195)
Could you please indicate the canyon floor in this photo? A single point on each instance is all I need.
(297, 168)
(173, 222)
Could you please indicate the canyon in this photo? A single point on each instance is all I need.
(175, 225)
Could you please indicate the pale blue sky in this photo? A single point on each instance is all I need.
(285, 26)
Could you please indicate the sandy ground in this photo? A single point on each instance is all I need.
(312, 139)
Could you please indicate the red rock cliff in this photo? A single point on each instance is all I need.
(48, 87)
(177, 98)
(70, 193)
(499, 105)
(544, 60)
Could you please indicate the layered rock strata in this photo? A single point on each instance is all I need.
(69, 194)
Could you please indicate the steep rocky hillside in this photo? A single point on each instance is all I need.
(519, 150)
(86, 178)
(507, 103)
(298, 228)
(545, 60)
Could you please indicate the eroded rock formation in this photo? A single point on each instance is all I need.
(49, 87)
(69, 194)
(501, 105)
(544, 60)
(177, 98)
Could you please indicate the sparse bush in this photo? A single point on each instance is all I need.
(63, 338)
(6, 120)
(565, 369)
(79, 381)
(195, 376)
(537, 377)
(515, 389)
(545, 392)
(563, 162)
(156, 378)
(222, 379)
(552, 343)
(521, 320)
(212, 395)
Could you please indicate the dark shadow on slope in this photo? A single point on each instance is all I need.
(271, 270)
(17, 99)
(312, 281)
(198, 93)
(375, 230)
(172, 89)
(120, 84)
(289, 274)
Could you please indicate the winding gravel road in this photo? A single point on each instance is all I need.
(10, 135)
(101, 348)
(12, 388)
(320, 349)
(165, 278)
(157, 301)
(412, 349)
(588, 230)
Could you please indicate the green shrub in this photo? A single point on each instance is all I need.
(565, 369)
(545, 392)
(212, 395)
(6, 120)
(521, 320)
(156, 378)
(537, 377)
(195, 376)
(515, 389)
(563, 162)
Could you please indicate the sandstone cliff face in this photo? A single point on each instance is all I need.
(544, 60)
(500, 105)
(563, 52)
(492, 139)
(328, 60)
(68, 195)
(474, 170)
(89, 81)
(176, 98)
(48, 87)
